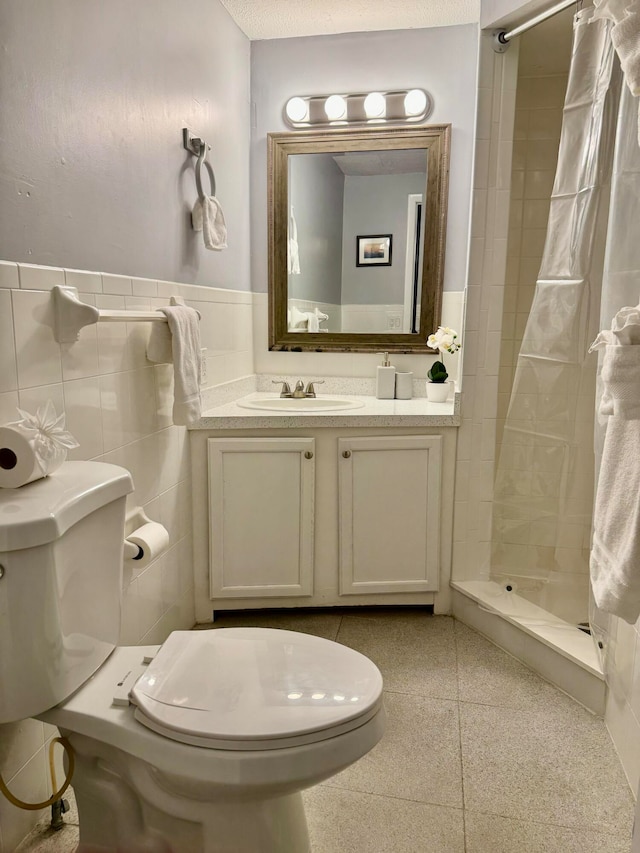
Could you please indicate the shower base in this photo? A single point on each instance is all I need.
(557, 650)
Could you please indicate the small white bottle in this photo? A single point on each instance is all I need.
(386, 380)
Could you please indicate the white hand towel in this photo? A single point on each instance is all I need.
(625, 36)
(615, 553)
(207, 216)
(183, 327)
(297, 320)
(293, 251)
(159, 347)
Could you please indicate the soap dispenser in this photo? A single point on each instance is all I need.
(386, 380)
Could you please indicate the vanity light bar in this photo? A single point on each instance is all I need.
(399, 105)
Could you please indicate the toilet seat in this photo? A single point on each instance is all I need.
(255, 689)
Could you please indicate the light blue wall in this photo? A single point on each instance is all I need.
(317, 190)
(93, 99)
(377, 204)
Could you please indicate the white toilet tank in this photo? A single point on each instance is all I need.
(61, 543)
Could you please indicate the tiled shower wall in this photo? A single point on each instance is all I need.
(118, 406)
(538, 119)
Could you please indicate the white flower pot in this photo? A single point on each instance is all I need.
(437, 392)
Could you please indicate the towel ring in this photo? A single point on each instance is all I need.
(202, 161)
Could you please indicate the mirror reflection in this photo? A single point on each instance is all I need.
(356, 246)
(355, 240)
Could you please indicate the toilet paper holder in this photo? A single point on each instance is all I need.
(135, 520)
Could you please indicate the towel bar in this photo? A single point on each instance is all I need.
(71, 314)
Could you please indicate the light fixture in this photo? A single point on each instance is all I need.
(297, 109)
(375, 105)
(415, 102)
(335, 107)
(393, 106)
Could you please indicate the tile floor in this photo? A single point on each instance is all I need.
(480, 755)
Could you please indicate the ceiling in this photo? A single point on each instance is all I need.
(270, 19)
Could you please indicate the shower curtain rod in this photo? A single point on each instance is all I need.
(502, 38)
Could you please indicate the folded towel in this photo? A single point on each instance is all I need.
(615, 552)
(207, 216)
(184, 329)
(293, 252)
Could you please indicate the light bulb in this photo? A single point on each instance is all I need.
(375, 105)
(415, 102)
(335, 107)
(296, 109)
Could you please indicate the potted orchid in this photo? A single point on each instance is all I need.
(443, 340)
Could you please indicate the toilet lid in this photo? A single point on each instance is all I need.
(255, 688)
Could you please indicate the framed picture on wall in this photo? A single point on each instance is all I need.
(374, 250)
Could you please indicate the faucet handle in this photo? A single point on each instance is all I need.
(286, 388)
(311, 391)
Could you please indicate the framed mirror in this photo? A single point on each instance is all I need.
(357, 222)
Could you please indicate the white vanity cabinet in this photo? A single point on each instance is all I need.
(389, 513)
(321, 517)
(261, 498)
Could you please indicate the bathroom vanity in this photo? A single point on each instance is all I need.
(323, 507)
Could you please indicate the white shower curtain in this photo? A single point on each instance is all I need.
(543, 494)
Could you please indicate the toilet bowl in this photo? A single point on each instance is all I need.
(201, 745)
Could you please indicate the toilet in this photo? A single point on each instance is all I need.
(201, 745)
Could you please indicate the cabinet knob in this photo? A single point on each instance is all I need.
(308, 454)
(346, 453)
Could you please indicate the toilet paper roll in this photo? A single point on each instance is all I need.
(152, 539)
(18, 460)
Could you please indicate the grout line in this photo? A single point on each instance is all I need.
(458, 704)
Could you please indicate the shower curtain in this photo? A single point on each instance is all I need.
(543, 497)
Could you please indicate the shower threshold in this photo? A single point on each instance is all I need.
(557, 650)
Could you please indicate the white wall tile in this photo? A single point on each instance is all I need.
(82, 405)
(9, 275)
(116, 284)
(32, 398)
(40, 278)
(84, 281)
(8, 403)
(8, 374)
(144, 287)
(37, 353)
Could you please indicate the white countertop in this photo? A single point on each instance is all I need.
(373, 413)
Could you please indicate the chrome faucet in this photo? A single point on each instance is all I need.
(286, 389)
(299, 392)
(311, 391)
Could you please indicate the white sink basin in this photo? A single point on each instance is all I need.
(302, 404)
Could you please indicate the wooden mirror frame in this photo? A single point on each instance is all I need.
(435, 140)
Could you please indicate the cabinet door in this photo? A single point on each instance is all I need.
(261, 494)
(389, 514)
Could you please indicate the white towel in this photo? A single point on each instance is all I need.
(625, 35)
(615, 552)
(207, 216)
(184, 329)
(293, 251)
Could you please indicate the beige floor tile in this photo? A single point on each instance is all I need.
(350, 822)
(502, 835)
(418, 757)
(545, 764)
(415, 651)
(489, 676)
(321, 624)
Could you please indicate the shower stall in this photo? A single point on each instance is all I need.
(567, 260)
